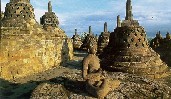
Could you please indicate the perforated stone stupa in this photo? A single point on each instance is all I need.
(76, 40)
(162, 46)
(128, 50)
(50, 23)
(103, 39)
(18, 13)
(49, 19)
(25, 47)
(89, 37)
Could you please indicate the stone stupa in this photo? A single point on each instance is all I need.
(26, 48)
(103, 39)
(89, 37)
(128, 50)
(76, 40)
(162, 45)
(50, 23)
(19, 13)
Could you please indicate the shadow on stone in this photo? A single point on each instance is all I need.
(74, 64)
(74, 86)
(10, 90)
(79, 53)
(68, 87)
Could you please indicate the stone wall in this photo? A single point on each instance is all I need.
(25, 47)
(25, 52)
(2, 15)
(27, 1)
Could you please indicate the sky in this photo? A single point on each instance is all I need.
(153, 15)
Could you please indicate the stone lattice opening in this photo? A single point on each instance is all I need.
(139, 39)
(129, 45)
(136, 34)
(136, 45)
(125, 40)
(141, 34)
(143, 45)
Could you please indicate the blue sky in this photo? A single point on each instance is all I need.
(154, 15)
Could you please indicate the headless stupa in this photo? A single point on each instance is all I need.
(19, 13)
(128, 50)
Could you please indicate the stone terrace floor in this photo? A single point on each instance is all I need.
(70, 75)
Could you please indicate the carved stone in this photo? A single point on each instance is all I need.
(129, 16)
(96, 83)
(118, 21)
(49, 7)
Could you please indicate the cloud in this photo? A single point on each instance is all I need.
(154, 16)
(82, 19)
